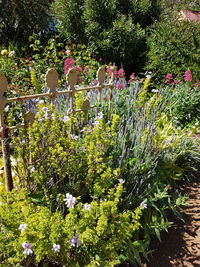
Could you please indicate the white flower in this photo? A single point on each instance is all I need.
(96, 123)
(32, 169)
(66, 118)
(100, 115)
(87, 206)
(12, 53)
(143, 204)
(56, 248)
(154, 90)
(74, 137)
(22, 227)
(27, 248)
(70, 200)
(121, 181)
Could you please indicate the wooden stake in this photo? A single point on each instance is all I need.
(5, 135)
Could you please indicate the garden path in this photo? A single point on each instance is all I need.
(181, 246)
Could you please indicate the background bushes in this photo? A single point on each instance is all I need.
(113, 30)
(174, 46)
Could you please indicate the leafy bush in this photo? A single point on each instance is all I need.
(90, 234)
(113, 30)
(19, 20)
(174, 46)
(184, 103)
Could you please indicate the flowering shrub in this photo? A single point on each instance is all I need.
(93, 236)
(183, 102)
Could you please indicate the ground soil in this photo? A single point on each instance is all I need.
(180, 247)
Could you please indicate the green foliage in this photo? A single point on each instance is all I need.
(174, 47)
(102, 231)
(114, 30)
(184, 104)
(119, 174)
(18, 20)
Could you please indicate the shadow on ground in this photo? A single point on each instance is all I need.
(180, 247)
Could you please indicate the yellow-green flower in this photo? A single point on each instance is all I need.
(4, 52)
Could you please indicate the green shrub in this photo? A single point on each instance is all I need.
(174, 46)
(184, 102)
(113, 30)
(89, 235)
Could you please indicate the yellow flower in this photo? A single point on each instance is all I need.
(4, 52)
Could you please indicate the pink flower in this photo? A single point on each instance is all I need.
(109, 71)
(168, 78)
(69, 62)
(68, 52)
(100, 59)
(132, 77)
(87, 71)
(95, 82)
(120, 86)
(197, 84)
(121, 73)
(79, 69)
(187, 76)
(175, 82)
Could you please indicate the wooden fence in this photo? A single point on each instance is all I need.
(51, 79)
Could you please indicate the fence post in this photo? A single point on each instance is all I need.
(72, 79)
(101, 73)
(111, 86)
(4, 135)
(51, 79)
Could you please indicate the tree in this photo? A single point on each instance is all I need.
(20, 19)
(112, 29)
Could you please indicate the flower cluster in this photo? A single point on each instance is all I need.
(169, 79)
(69, 63)
(187, 76)
(132, 77)
(117, 74)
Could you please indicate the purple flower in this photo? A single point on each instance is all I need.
(70, 200)
(45, 109)
(87, 206)
(22, 227)
(74, 242)
(27, 248)
(143, 204)
(56, 248)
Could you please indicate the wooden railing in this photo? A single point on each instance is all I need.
(51, 80)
